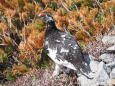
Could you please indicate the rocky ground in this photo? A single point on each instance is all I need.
(103, 70)
(43, 77)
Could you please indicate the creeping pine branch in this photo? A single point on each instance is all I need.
(64, 5)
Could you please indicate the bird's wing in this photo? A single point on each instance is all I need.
(68, 49)
(65, 47)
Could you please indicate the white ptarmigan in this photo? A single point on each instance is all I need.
(62, 47)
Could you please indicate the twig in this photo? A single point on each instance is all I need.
(3, 44)
(15, 58)
(65, 6)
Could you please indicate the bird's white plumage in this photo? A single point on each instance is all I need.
(63, 36)
(46, 43)
(74, 47)
(64, 50)
(52, 54)
(69, 44)
(57, 41)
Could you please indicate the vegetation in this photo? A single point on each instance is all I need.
(22, 34)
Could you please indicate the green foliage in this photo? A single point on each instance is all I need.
(99, 17)
(87, 3)
(0, 41)
(73, 7)
(9, 76)
(39, 25)
(8, 49)
(82, 44)
(2, 57)
(44, 62)
(21, 5)
(103, 0)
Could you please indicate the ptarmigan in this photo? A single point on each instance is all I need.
(62, 47)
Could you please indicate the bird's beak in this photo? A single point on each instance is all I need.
(39, 16)
(42, 15)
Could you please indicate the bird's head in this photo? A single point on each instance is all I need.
(45, 16)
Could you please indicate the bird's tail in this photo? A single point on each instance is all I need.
(84, 69)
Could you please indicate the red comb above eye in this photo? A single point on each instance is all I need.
(43, 14)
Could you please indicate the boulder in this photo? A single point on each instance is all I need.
(94, 66)
(108, 39)
(111, 65)
(112, 74)
(112, 48)
(86, 82)
(107, 57)
(101, 76)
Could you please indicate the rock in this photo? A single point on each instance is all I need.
(101, 75)
(112, 74)
(107, 57)
(111, 82)
(111, 65)
(86, 82)
(94, 66)
(108, 39)
(112, 48)
(108, 70)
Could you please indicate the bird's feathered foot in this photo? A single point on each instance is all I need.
(56, 71)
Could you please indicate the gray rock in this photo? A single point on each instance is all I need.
(112, 74)
(94, 66)
(111, 65)
(107, 57)
(86, 82)
(112, 48)
(108, 39)
(108, 70)
(101, 75)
